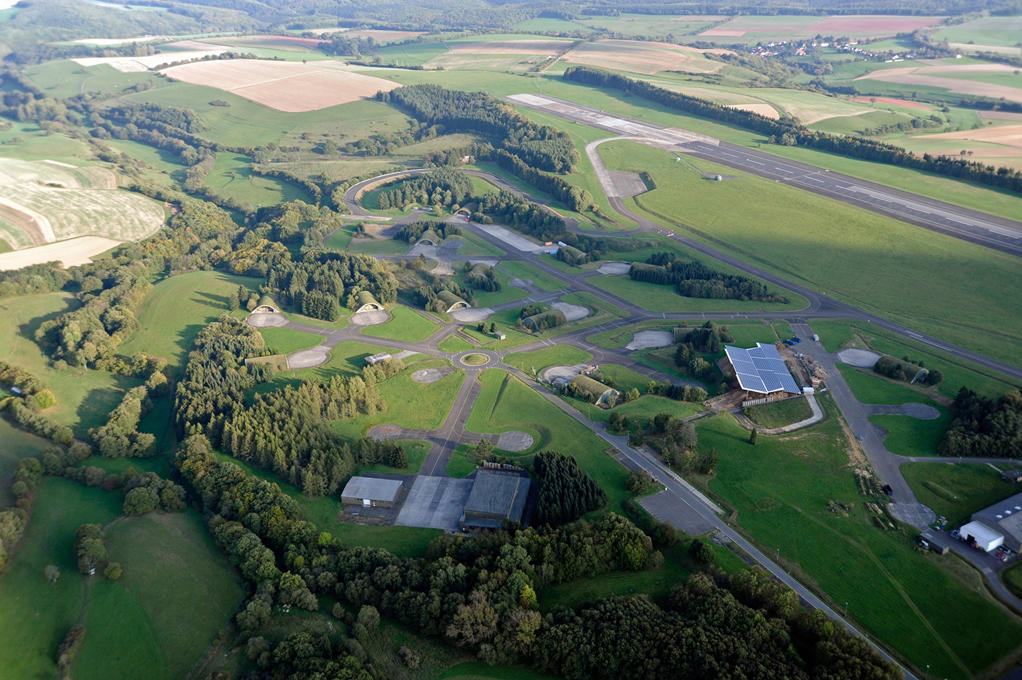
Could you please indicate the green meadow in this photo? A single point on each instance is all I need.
(780, 489)
(178, 308)
(84, 398)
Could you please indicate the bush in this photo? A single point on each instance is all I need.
(113, 571)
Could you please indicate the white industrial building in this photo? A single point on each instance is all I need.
(981, 536)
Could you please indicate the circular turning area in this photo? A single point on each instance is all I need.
(369, 318)
(266, 320)
(514, 441)
(474, 359)
(430, 375)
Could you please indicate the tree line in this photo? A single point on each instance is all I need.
(694, 279)
(413, 231)
(983, 427)
(788, 132)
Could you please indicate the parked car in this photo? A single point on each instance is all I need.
(955, 533)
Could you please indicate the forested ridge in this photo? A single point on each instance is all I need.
(540, 146)
(790, 133)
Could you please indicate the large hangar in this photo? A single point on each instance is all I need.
(761, 370)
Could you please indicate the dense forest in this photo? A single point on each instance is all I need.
(789, 133)
(539, 146)
(322, 282)
(286, 430)
(480, 593)
(984, 427)
(694, 279)
(444, 187)
(565, 492)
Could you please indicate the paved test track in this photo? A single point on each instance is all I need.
(971, 225)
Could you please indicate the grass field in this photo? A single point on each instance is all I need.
(644, 408)
(417, 452)
(835, 334)
(540, 279)
(624, 378)
(346, 358)
(176, 310)
(409, 404)
(956, 490)
(987, 30)
(405, 324)
(35, 614)
(536, 360)
(871, 388)
(17, 444)
(176, 593)
(657, 298)
(454, 343)
(505, 403)
(232, 177)
(780, 489)
(287, 340)
(84, 398)
(873, 262)
(779, 413)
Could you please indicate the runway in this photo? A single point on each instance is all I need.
(970, 225)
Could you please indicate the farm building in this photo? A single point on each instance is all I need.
(368, 303)
(761, 371)
(452, 301)
(495, 496)
(594, 391)
(1005, 519)
(374, 359)
(429, 238)
(372, 492)
(266, 306)
(982, 537)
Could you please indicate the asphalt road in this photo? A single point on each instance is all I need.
(988, 230)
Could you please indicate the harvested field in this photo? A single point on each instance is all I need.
(113, 42)
(761, 109)
(1001, 115)
(288, 86)
(724, 32)
(542, 47)
(927, 75)
(153, 61)
(904, 103)
(872, 25)
(999, 145)
(380, 35)
(46, 201)
(793, 26)
(69, 253)
(642, 57)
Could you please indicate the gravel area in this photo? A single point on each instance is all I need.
(860, 358)
(651, 340)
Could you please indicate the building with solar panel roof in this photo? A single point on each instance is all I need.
(761, 372)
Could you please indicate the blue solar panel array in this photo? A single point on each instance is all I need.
(761, 369)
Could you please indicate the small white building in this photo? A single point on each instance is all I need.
(981, 536)
(374, 359)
